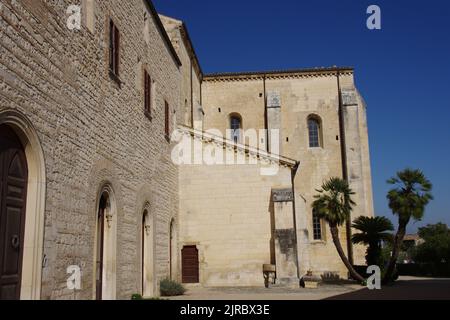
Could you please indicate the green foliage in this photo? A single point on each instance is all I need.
(170, 288)
(410, 195)
(373, 231)
(432, 230)
(436, 248)
(407, 200)
(334, 202)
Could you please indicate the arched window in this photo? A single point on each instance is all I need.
(314, 130)
(317, 226)
(236, 127)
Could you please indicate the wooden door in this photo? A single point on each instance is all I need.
(13, 189)
(100, 248)
(190, 265)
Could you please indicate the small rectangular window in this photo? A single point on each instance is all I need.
(147, 94)
(167, 120)
(317, 227)
(114, 48)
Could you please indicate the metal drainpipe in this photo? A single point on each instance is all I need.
(348, 225)
(266, 120)
(192, 94)
(293, 174)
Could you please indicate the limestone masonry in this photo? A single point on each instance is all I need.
(89, 176)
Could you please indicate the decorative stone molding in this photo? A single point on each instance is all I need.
(283, 195)
(261, 155)
(281, 74)
(349, 97)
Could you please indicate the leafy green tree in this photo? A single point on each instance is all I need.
(373, 231)
(407, 200)
(334, 204)
(436, 246)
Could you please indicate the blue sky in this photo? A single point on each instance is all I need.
(402, 70)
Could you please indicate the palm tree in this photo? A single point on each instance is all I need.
(407, 200)
(373, 231)
(334, 204)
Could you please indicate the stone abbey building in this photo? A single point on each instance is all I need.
(95, 173)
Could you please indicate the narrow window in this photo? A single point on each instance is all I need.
(236, 127)
(317, 226)
(167, 120)
(114, 45)
(314, 133)
(147, 94)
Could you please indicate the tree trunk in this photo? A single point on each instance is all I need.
(335, 234)
(373, 252)
(389, 275)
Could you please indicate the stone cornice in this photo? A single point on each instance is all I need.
(237, 147)
(280, 74)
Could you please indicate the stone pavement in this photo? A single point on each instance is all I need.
(409, 288)
(274, 293)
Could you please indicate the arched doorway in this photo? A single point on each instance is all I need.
(105, 253)
(20, 129)
(147, 255)
(13, 200)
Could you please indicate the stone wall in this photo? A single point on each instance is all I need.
(191, 77)
(93, 131)
(227, 212)
(303, 94)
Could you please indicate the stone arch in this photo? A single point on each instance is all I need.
(148, 231)
(103, 177)
(35, 200)
(146, 246)
(105, 256)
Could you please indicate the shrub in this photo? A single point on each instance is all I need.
(136, 296)
(170, 288)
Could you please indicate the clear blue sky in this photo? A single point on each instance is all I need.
(403, 70)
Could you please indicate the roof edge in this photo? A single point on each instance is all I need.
(184, 31)
(164, 34)
(278, 72)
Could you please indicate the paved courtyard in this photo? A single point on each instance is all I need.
(408, 288)
(274, 293)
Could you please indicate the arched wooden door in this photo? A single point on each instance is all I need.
(13, 195)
